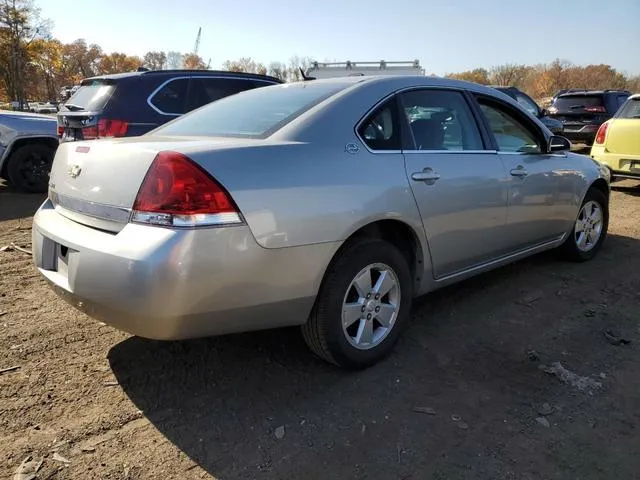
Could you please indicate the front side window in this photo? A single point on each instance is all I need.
(380, 130)
(171, 99)
(510, 133)
(441, 120)
(255, 113)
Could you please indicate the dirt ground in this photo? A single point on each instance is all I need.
(473, 362)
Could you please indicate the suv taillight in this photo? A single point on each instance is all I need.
(177, 192)
(106, 129)
(60, 131)
(596, 109)
(602, 133)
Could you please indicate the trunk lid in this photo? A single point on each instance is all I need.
(95, 183)
(623, 136)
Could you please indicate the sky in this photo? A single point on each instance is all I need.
(446, 36)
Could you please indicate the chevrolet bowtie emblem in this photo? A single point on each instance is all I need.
(74, 171)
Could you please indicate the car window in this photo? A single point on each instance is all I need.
(510, 133)
(622, 99)
(380, 130)
(207, 90)
(255, 113)
(91, 96)
(172, 97)
(528, 104)
(441, 120)
(573, 103)
(631, 109)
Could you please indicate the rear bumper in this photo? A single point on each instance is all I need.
(174, 284)
(621, 166)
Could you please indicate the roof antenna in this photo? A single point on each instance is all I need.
(305, 77)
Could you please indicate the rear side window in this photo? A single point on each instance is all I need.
(579, 103)
(255, 113)
(441, 120)
(171, 99)
(207, 90)
(381, 130)
(631, 109)
(90, 97)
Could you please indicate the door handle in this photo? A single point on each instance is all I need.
(520, 171)
(427, 176)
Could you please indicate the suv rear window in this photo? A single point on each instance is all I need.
(631, 109)
(253, 113)
(91, 96)
(578, 103)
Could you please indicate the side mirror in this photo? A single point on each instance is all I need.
(558, 144)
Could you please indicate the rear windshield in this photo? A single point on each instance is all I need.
(578, 102)
(90, 97)
(631, 109)
(254, 113)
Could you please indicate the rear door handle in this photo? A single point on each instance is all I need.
(520, 171)
(427, 176)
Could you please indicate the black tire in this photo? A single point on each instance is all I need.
(569, 248)
(323, 332)
(29, 166)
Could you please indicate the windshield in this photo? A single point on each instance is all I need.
(254, 113)
(90, 97)
(631, 109)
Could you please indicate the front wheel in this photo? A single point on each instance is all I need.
(364, 301)
(590, 228)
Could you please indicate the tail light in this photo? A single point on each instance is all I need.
(602, 133)
(178, 193)
(60, 131)
(106, 129)
(596, 109)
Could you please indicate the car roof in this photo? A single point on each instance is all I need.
(169, 73)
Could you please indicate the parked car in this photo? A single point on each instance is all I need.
(28, 142)
(317, 203)
(617, 143)
(42, 107)
(583, 112)
(131, 104)
(533, 108)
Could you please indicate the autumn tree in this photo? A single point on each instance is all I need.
(278, 70)
(477, 75)
(118, 62)
(192, 61)
(245, 64)
(508, 74)
(155, 60)
(20, 25)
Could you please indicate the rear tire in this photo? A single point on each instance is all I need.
(590, 228)
(29, 166)
(358, 316)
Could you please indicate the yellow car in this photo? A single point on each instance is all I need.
(617, 143)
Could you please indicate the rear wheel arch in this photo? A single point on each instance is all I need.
(399, 234)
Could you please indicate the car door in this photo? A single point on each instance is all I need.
(458, 184)
(541, 185)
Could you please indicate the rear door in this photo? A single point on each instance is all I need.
(459, 185)
(541, 186)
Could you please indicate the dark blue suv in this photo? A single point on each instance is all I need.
(131, 104)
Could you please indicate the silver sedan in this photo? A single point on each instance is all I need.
(329, 204)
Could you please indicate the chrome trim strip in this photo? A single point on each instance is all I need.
(456, 152)
(92, 209)
(198, 76)
(498, 261)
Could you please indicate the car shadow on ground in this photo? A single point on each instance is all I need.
(467, 355)
(15, 204)
(628, 187)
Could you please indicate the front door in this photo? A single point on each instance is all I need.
(542, 186)
(458, 184)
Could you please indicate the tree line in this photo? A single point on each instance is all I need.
(35, 66)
